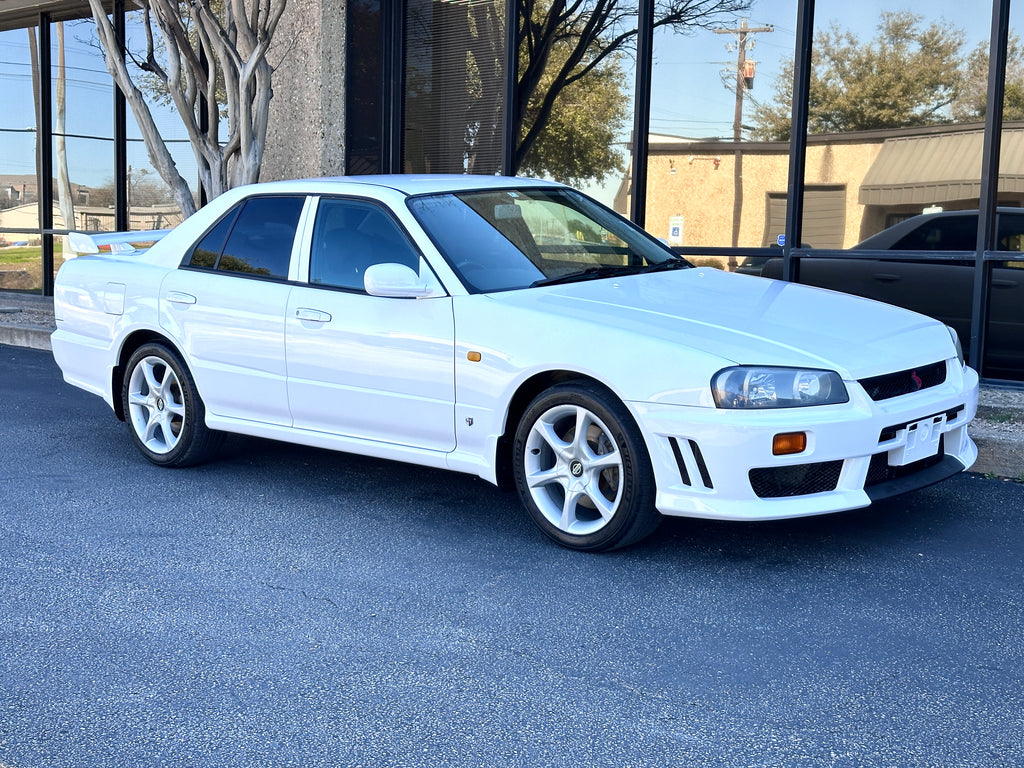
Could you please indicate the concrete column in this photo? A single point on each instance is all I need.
(306, 134)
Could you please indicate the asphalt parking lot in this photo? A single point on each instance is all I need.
(287, 606)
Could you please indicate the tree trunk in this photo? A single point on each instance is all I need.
(64, 197)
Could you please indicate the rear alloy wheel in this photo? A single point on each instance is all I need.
(582, 469)
(164, 413)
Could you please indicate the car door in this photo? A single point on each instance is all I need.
(366, 366)
(1004, 346)
(227, 305)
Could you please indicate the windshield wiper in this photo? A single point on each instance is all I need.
(593, 273)
(661, 266)
(590, 273)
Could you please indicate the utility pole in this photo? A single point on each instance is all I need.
(742, 34)
(743, 74)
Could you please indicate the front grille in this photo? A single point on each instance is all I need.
(904, 382)
(880, 472)
(796, 480)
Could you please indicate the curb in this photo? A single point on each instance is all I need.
(35, 336)
(25, 336)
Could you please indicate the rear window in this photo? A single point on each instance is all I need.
(254, 239)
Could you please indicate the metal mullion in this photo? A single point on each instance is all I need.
(122, 221)
(798, 137)
(45, 159)
(508, 160)
(642, 111)
(989, 180)
(924, 257)
(393, 76)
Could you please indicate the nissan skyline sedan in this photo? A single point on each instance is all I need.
(518, 331)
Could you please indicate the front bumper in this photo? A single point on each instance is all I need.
(718, 464)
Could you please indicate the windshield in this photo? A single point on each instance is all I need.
(497, 240)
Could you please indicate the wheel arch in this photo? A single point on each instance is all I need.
(131, 343)
(522, 398)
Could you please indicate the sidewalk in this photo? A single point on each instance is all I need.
(27, 321)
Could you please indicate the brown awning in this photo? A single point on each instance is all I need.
(15, 14)
(921, 170)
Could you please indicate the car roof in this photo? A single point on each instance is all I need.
(408, 184)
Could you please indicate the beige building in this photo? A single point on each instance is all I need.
(722, 194)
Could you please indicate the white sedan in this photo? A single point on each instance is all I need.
(518, 331)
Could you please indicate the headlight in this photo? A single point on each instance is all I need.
(956, 343)
(757, 387)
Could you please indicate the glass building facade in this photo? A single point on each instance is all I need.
(769, 139)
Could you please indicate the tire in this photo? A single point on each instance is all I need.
(591, 495)
(165, 415)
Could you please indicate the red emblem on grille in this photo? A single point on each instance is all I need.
(918, 381)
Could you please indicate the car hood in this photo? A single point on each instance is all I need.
(749, 320)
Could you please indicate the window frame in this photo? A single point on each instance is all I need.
(305, 263)
(234, 213)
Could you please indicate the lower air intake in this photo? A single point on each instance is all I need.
(796, 480)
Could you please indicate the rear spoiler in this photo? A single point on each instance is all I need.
(114, 242)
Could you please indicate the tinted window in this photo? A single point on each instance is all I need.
(205, 254)
(348, 237)
(1011, 232)
(261, 240)
(960, 233)
(943, 233)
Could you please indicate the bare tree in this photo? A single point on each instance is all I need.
(191, 47)
(63, 183)
(586, 33)
(64, 198)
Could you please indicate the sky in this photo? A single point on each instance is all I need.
(89, 111)
(688, 95)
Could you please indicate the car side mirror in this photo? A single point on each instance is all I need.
(398, 281)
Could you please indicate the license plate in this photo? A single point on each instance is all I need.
(922, 441)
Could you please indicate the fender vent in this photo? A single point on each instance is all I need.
(690, 461)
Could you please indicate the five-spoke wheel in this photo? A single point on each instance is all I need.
(582, 469)
(156, 406)
(163, 409)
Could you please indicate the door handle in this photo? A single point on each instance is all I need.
(886, 277)
(313, 315)
(178, 297)
(1004, 283)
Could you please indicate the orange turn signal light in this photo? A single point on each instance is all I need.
(474, 357)
(789, 443)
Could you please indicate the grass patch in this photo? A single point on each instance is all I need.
(999, 415)
(29, 255)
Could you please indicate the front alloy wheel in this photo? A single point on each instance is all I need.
(582, 469)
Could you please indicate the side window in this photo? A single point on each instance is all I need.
(348, 237)
(1011, 232)
(205, 254)
(943, 233)
(260, 243)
